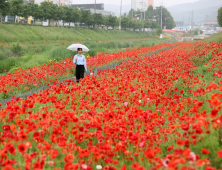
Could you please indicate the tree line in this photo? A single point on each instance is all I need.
(49, 11)
(219, 16)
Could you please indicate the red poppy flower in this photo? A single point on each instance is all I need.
(149, 154)
(205, 151)
(6, 128)
(69, 158)
(36, 134)
(185, 126)
(169, 148)
(219, 154)
(21, 148)
(123, 167)
(135, 165)
(214, 112)
(10, 148)
(209, 168)
(8, 167)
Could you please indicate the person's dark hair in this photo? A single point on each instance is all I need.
(78, 49)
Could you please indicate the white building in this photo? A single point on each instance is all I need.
(104, 13)
(61, 2)
(140, 4)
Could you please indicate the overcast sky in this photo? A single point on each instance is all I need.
(124, 2)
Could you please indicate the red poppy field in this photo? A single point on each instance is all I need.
(161, 111)
(24, 80)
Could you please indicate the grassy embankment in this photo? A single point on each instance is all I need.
(25, 46)
(13, 33)
(214, 38)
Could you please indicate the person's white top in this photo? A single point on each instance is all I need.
(81, 60)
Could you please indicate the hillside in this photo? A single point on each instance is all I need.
(201, 4)
(215, 38)
(13, 33)
(203, 10)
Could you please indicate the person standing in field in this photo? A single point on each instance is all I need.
(80, 61)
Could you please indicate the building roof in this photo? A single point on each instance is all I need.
(210, 23)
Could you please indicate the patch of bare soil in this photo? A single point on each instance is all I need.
(185, 34)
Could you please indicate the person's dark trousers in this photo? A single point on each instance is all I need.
(79, 72)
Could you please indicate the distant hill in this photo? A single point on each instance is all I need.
(203, 10)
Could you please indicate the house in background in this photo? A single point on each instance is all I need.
(210, 25)
(94, 8)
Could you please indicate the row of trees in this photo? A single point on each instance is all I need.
(154, 15)
(50, 11)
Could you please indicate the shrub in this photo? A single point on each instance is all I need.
(159, 31)
(126, 45)
(60, 53)
(92, 45)
(42, 48)
(119, 45)
(111, 45)
(92, 52)
(102, 45)
(7, 64)
(143, 45)
(14, 68)
(17, 48)
(2, 55)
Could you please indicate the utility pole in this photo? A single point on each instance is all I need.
(95, 7)
(141, 11)
(161, 15)
(141, 14)
(144, 12)
(142, 8)
(95, 11)
(192, 20)
(132, 8)
(183, 20)
(132, 13)
(144, 19)
(120, 16)
(0, 17)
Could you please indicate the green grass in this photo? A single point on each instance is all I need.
(25, 33)
(214, 38)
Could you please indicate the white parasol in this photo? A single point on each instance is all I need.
(74, 47)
